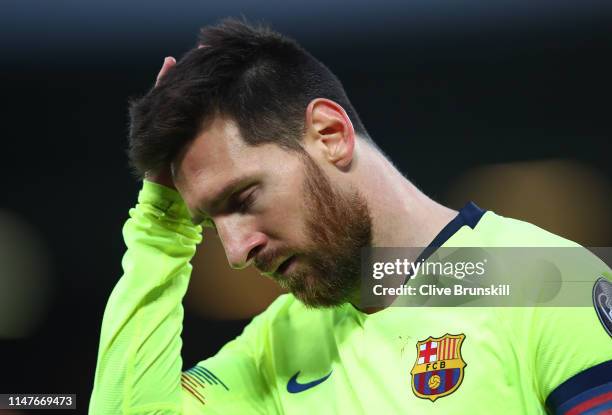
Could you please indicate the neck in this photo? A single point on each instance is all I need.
(402, 215)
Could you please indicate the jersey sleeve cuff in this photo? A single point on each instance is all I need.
(167, 200)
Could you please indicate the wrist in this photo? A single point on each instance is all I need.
(163, 198)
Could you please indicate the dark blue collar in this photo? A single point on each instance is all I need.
(469, 215)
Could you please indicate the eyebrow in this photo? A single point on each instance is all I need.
(231, 187)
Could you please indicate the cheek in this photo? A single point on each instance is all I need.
(285, 217)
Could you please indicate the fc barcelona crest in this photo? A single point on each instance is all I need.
(439, 367)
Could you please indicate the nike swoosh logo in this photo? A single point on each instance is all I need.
(294, 387)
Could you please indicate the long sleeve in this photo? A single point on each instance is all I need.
(139, 360)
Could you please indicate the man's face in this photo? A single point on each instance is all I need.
(277, 210)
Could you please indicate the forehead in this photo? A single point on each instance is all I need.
(217, 157)
(217, 150)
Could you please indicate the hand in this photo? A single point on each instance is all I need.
(169, 62)
(163, 177)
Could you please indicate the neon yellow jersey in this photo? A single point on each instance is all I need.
(295, 360)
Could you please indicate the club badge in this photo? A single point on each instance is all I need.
(439, 367)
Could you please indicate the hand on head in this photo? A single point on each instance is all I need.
(169, 62)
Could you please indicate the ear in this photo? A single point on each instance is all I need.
(330, 132)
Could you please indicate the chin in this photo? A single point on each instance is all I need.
(311, 290)
(314, 299)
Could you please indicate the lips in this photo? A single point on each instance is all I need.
(282, 268)
(271, 267)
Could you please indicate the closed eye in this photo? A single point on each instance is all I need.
(241, 202)
(246, 202)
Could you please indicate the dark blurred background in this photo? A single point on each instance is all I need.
(507, 105)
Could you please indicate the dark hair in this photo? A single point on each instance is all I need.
(260, 78)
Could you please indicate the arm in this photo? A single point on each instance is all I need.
(573, 360)
(139, 361)
(236, 380)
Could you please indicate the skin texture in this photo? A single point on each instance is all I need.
(281, 206)
(338, 225)
(316, 207)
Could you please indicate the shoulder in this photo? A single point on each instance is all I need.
(496, 230)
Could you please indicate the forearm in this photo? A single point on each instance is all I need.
(139, 362)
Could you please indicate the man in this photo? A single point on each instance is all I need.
(250, 136)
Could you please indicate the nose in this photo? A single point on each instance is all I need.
(241, 240)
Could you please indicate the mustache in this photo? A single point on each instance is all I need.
(266, 261)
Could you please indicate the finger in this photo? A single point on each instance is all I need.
(169, 62)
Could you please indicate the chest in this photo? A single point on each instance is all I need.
(420, 362)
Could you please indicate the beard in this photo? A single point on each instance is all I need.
(338, 225)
